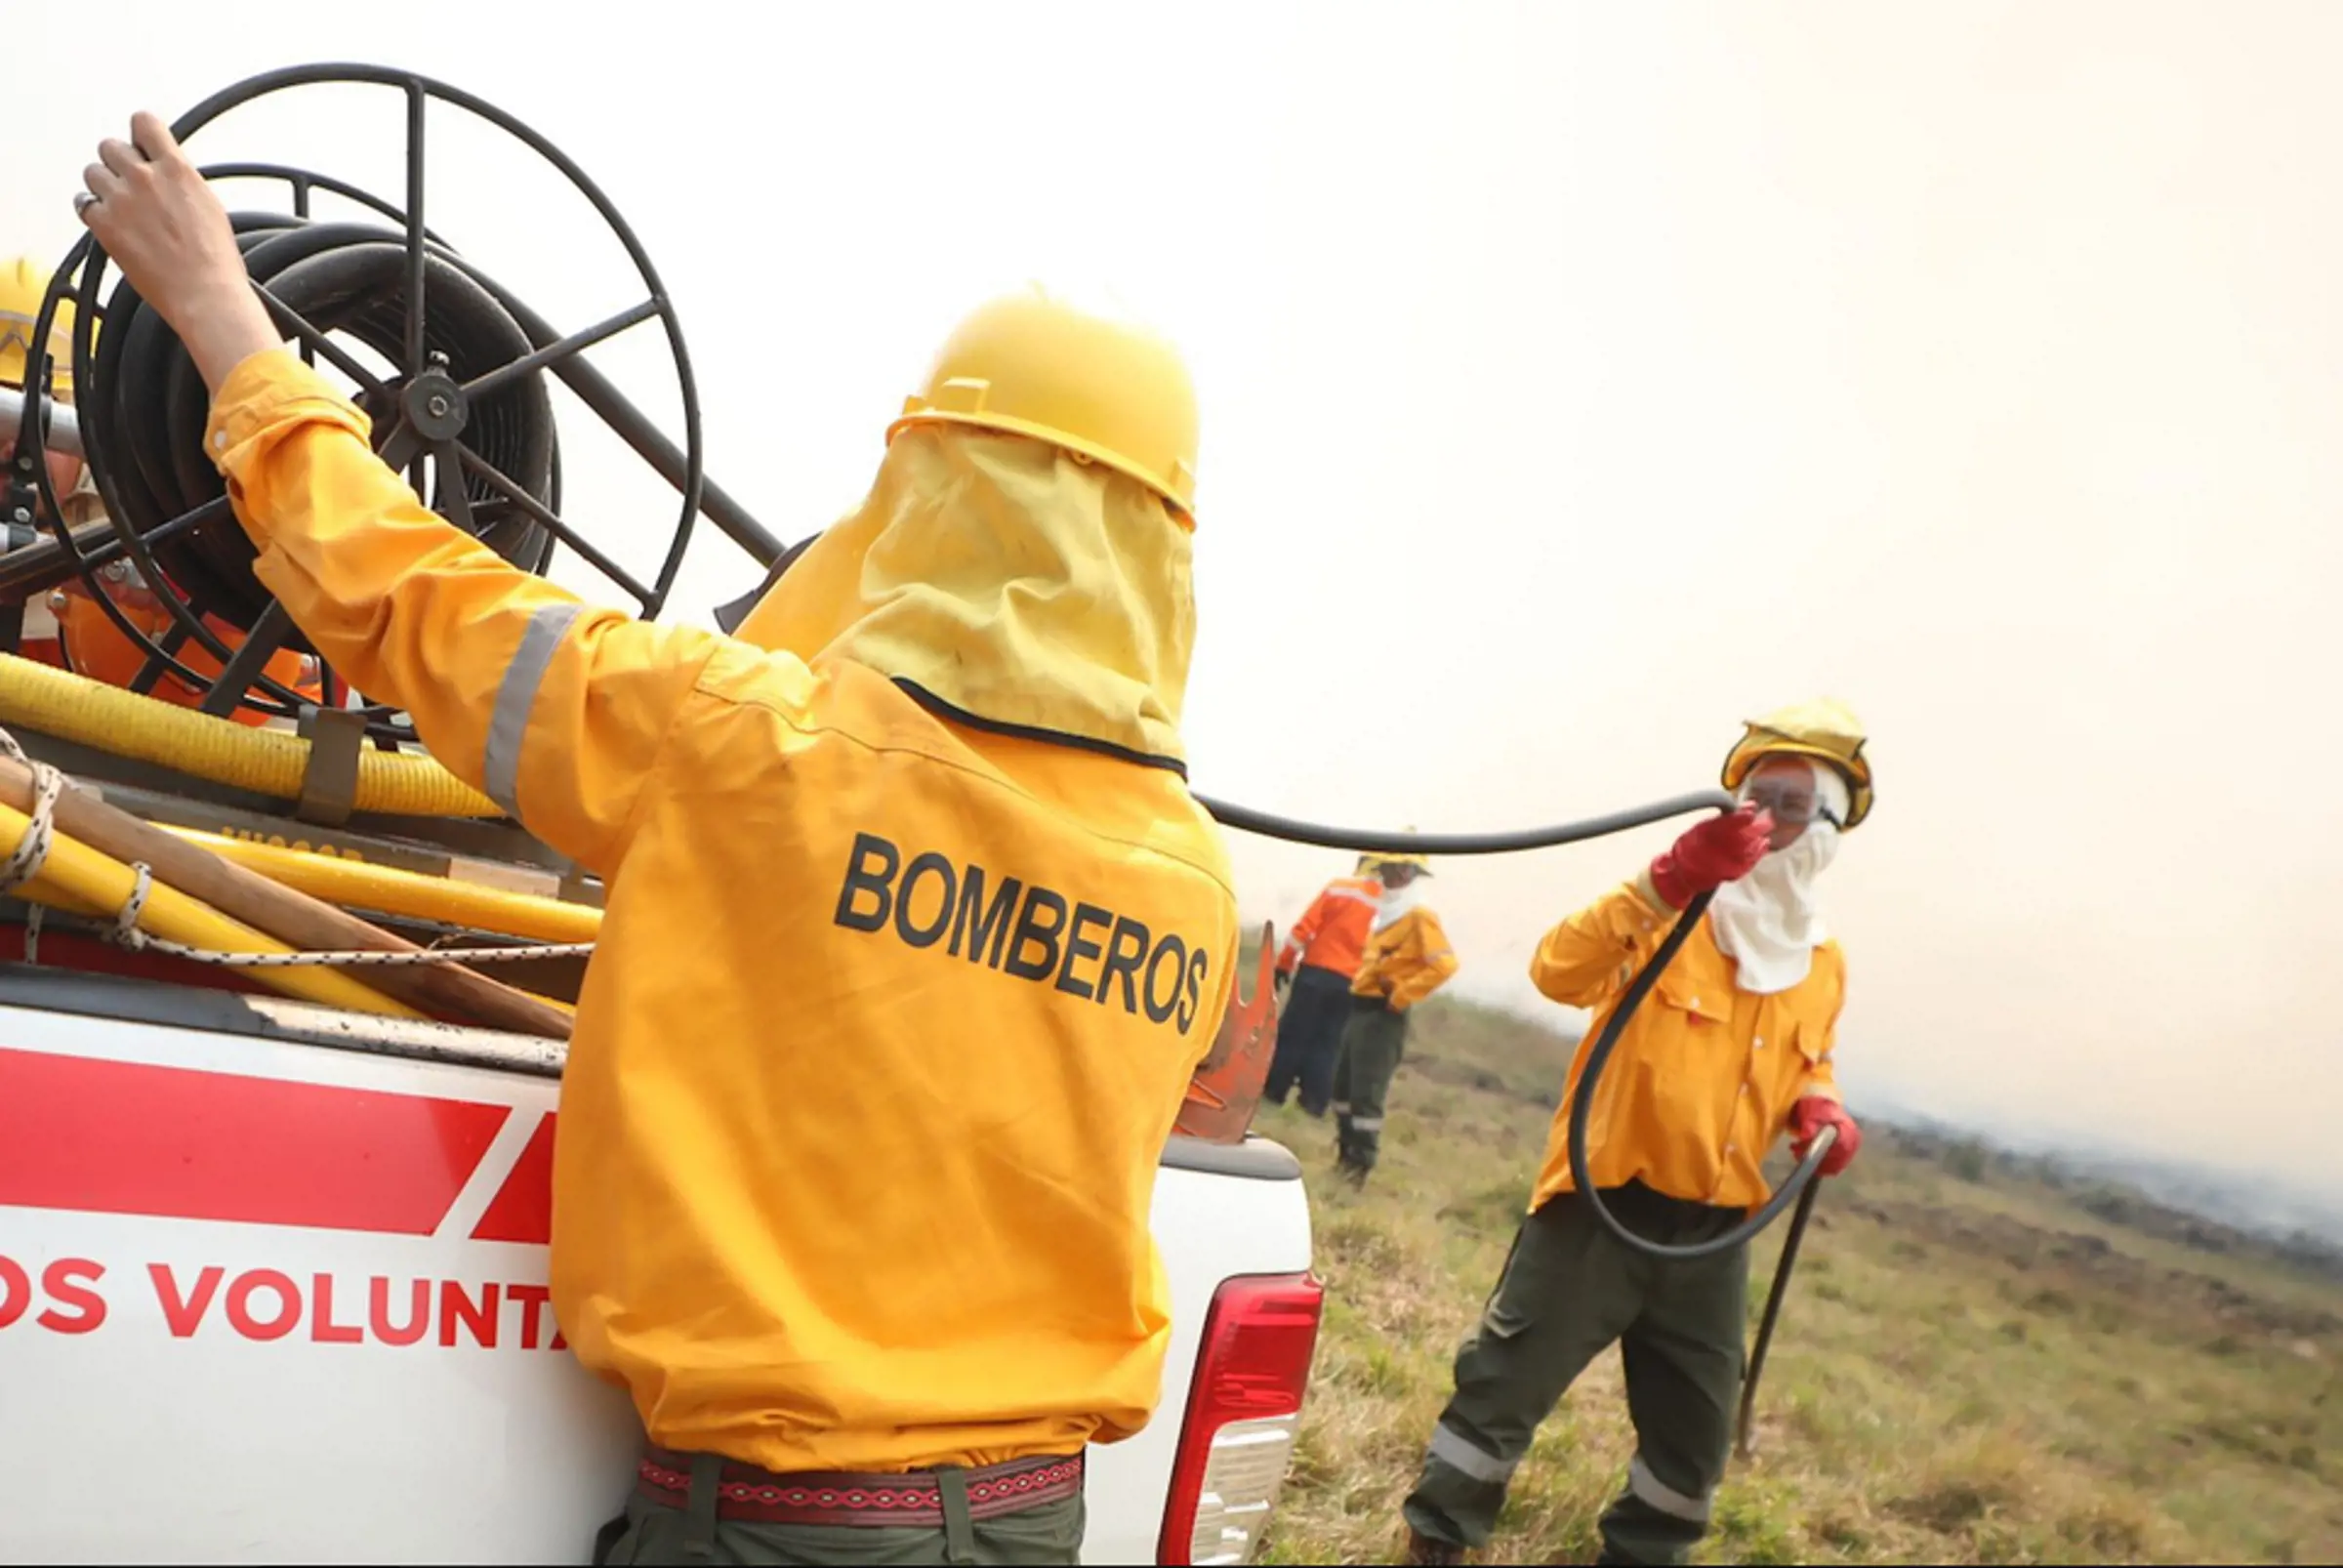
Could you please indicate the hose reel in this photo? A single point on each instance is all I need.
(464, 407)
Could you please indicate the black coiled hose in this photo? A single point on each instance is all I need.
(146, 424)
(1581, 1107)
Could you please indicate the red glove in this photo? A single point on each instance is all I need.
(1712, 853)
(1809, 1116)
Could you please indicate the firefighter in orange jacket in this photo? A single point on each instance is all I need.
(1406, 959)
(66, 628)
(920, 935)
(1314, 970)
(1732, 1048)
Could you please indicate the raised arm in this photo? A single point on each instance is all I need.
(553, 707)
(1591, 957)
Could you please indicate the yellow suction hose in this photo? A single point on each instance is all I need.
(390, 891)
(268, 761)
(83, 881)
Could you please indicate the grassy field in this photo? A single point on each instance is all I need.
(1973, 1366)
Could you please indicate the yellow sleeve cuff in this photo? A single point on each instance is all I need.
(1648, 892)
(270, 389)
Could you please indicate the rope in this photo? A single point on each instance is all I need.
(421, 955)
(33, 850)
(32, 853)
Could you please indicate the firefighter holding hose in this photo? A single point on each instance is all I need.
(1732, 1048)
(919, 938)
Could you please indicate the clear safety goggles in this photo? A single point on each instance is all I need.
(1789, 798)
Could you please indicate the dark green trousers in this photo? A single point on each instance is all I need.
(1372, 1039)
(1049, 1533)
(1569, 1289)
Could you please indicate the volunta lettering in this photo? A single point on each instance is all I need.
(964, 911)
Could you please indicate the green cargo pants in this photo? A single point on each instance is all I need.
(1570, 1289)
(1373, 1039)
(656, 1532)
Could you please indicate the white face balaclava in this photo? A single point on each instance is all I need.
(1768, 922)
(1396, 902)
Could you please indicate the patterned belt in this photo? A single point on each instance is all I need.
(850, 1498)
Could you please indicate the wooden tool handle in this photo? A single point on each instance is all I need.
(292, 918)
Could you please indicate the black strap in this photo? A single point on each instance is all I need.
(699, 1507)
(959, 1528)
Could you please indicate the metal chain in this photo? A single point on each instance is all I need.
(32, 853)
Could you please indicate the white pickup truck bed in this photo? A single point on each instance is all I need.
(272, 1290)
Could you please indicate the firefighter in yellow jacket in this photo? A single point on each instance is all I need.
(1406, 959)
(919, 938)
(1733, 1048)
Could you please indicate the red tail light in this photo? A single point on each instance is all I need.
(1243, 1413)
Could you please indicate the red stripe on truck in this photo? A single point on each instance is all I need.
(127, 1139)
(524, 1207)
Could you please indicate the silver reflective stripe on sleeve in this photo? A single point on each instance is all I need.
(1454, 1450)
(499, 766)
(1660, 1495)
(1368, 1124)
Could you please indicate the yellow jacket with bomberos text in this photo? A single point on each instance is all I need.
(1406, 961)
(1704, 1074)
(891, 1012)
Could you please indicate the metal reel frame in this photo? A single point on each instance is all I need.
(430, 405)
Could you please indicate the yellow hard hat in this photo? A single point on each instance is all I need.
(1422, 863)
(22, 283)
(1101, 389)
(1825, 730)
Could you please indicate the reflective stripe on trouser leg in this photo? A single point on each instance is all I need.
(1667, 1499)
(516, 696)
(1458, 1452)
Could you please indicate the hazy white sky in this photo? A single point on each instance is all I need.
(1577, 381)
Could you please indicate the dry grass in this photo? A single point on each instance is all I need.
(1971, 1367)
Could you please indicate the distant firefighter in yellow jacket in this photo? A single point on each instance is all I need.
(919, 938)
(1406, 959)
(1733, 1048)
